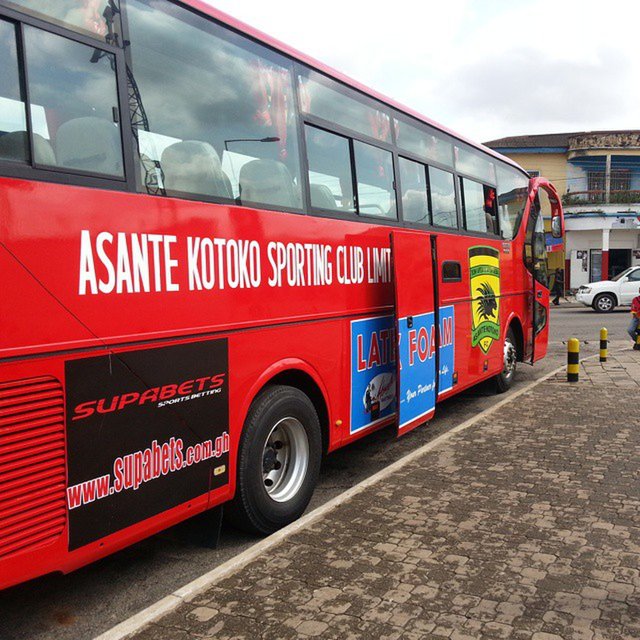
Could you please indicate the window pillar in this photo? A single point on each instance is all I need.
(607, 182)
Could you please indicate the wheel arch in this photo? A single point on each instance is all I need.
(613, 294)
(301, 375)
(515, 325)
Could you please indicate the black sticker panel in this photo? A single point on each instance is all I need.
(146, 431)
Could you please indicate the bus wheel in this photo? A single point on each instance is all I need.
(278, 461)
(504, 379)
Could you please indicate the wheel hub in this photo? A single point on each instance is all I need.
(285, 459)
(509, 358)
(269, 460)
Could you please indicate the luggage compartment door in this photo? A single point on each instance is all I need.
(416, 328)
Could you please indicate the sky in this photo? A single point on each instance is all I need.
(484, 68)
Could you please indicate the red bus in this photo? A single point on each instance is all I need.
(220, 261)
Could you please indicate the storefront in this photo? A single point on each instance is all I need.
(600, 245)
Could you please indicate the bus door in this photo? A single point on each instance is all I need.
(535, 258)
(416, 321)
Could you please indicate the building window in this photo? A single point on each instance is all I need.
(620, 180)
(595, 185)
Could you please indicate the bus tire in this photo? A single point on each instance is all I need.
(278, 462)
(505, 378)
(604, 303)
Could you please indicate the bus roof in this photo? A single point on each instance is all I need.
(274, 43)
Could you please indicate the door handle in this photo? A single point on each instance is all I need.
(410, 322)
(539, 294)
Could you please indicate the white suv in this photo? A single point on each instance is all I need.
(606, 295)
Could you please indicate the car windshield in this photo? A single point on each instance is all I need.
(622, 274)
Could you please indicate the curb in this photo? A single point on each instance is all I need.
(171, 602)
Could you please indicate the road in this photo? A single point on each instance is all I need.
(93, 599)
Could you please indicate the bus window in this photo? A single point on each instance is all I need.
(513, 191)
(535, 254)
(475, 164)
(426, 144)
(74, 86)
(415, 200)
(374, 170)
(491, 209)
(95, 17)
(330, 177)
(215, 100)
(443, 198)
(327, 100)
(13, 117)
(473, 205)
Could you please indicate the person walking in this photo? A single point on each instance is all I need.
(558, 286)
(635, 321)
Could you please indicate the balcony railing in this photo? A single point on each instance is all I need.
(599, 196)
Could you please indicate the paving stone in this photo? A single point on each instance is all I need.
(524, 526)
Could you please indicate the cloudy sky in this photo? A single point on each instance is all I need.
(485, 68)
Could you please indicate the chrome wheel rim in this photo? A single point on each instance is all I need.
(285, 459)
(509, 359)
(605, 303)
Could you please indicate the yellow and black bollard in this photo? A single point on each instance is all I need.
(603, 344)
(573, 360)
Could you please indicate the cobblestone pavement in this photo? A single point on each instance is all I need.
(526, 525)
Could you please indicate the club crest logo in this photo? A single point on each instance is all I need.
(484, 268)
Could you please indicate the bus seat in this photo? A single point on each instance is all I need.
(90, 144)
(322, 197)
(192, 166)
(490, 222)
(267, 182)
(14, 146)
(415, 207)
(227, 184)
(149, 173)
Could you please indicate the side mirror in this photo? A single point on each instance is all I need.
(556, 227)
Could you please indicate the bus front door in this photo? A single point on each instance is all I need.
(535, 258)
(416, 321)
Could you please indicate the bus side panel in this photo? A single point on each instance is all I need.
(179, 267)
(478, 334)
(142, 409)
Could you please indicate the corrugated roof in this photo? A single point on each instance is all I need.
(545, 139)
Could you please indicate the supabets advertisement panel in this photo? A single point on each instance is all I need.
(146, 431)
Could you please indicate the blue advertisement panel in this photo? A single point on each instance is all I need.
(373, 367)
(447, 349)
(373, 371)
(416, 349)
(418, 363)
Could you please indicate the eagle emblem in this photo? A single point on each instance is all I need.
(484, 270)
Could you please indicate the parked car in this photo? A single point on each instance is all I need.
(606, 295)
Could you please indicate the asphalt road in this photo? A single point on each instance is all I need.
(93, 599)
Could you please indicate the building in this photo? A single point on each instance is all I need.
(598, 175)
